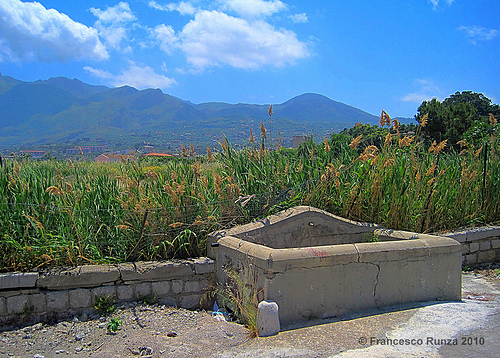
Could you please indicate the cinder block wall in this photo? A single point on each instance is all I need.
(479, 245)
(65, 292)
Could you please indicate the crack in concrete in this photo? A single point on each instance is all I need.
(376, 283)
(357, 251)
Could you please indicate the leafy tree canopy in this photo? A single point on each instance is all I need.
(463, 115)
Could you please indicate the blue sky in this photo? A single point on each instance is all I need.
(374, 55)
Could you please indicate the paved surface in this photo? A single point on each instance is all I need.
(434, 329)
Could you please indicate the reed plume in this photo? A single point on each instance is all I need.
(493, 120)
(385, 119)
(210, 157)
(355, 142)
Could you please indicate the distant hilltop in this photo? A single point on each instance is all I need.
(62, 110)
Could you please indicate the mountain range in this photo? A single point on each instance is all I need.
(68, 111)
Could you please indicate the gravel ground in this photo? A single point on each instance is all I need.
(160, 331)
(147, 331)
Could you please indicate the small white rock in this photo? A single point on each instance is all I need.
(268, 322)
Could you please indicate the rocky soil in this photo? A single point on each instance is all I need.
(160, 331)
(146, 331)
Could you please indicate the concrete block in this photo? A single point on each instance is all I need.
(497, 254)
(268, 322)
(15, 280)
(203, 265)
(78, 277)
(460, 236)
(192, 286)
(155, 271)
(143, 289)
(490, 255)
(177, 286)
(17, 304)
(80, 298)
(125, 292)
(3, 308)
(493, 232)
(473, 247)
(476, 234)
(486, 256)
(57, 300)
(160, 289)
(495, 244)
(465, 249)
(103, 291)
(190, 302)
(484, 245)
(471, 259)
(38, 302)
(168, 301)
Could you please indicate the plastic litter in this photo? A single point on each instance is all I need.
(218, 313)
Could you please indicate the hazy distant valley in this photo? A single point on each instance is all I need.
(60, 112)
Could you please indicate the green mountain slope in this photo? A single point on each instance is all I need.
(61, 109)
(75, 87)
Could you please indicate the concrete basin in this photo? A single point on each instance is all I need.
(317, 265)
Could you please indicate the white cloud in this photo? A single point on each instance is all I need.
(417, 97)
(184, 8)
(117, 14)
(165, 35)
(28, 31)
(477, 33)
(214, 38)
(98, 73)
(135, 76)
(427, 90)
(299, 18)
(253, 8)
(111, 24)
(435, 3)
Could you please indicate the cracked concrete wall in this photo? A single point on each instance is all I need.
(325, 281)
(315, 264)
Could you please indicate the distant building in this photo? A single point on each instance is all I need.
(86, 149)
(35, 154)
(299, 139)
(159, 155)
(148, 149)
(113, 158)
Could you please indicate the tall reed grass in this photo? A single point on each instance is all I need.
(70, 213)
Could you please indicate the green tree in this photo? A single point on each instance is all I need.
(479, 101)
(460, 116)
(372, 135)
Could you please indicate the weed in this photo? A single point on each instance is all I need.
(239, 297)
(28, 310)
(114, 324)
(148, 299)
(104, 304)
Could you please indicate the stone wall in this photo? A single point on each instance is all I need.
(65, 292)
(479, 245)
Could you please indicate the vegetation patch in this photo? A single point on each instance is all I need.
(60, 213)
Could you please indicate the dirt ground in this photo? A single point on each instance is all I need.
(160, 331)
(146, 331)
